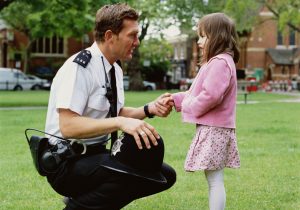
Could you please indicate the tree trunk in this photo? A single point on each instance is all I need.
(27, 56)
(133, 69)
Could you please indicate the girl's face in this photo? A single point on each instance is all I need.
(201, 41)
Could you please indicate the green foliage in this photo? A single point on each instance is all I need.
(16, 15)
(186, 13)
(157, 53)
(45, 18)
(152, 12)
(287, 13)
(244, 13)
(72, 17)
(156, 50)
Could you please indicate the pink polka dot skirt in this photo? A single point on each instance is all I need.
(212, 148)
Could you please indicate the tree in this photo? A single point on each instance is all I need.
(286, 12)
(155, 59)
(186, 13)
(46, 18)
(246, 12)
(152, 13)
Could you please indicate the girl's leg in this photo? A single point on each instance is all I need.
(217, 195)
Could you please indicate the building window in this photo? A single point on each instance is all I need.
(279, 38)
(284, 70)
(292, 37)
(48, 46)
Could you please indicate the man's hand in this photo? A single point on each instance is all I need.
(140, 130)
(162, 106)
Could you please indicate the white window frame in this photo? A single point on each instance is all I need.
(51, 53)
(287, 35)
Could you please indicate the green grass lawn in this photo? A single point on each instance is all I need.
(268, 138)
(24, 98)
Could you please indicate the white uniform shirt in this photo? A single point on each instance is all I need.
(82, 90)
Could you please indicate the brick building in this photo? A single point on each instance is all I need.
(275, 52)
(47, 53)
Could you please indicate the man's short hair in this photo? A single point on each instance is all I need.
(110, 17)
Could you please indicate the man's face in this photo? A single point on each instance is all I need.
(127, 40)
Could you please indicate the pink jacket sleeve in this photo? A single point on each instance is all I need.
(216, 82)
(178, 97)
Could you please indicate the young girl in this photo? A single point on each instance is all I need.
(210, 103)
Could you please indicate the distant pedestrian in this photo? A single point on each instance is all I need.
(210, 103)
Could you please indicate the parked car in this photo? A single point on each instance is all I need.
(147, 85)
(39, 83)
(44, 72)
(15, 79)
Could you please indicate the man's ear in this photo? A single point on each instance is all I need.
(108, 35)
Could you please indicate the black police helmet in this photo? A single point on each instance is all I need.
(127, 158)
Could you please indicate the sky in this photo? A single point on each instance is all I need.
(171, 31)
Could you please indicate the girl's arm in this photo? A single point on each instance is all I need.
(177, 98)
(214, 87)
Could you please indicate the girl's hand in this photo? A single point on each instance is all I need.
(161, 106)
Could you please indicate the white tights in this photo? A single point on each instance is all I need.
(217, 194)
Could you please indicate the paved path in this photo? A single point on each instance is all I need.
(296, 99)
(271, 101)
(297, 94)
(291, 100)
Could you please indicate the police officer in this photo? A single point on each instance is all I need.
(81, 108)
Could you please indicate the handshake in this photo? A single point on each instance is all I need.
(162, 106)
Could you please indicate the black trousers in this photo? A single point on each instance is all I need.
(91, 186)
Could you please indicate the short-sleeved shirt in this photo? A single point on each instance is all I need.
(82, 90)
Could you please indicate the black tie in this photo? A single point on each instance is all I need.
(114, 135)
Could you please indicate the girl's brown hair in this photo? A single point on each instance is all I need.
(221, 36)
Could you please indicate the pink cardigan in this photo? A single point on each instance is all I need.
(211, 99)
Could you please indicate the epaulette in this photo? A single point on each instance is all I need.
(83, 58)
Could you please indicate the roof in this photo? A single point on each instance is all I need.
(283, 56)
